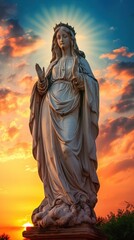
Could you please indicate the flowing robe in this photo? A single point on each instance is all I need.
(64, 126)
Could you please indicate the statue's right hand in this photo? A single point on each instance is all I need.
(40, 72)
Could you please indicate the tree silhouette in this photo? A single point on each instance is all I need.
(4, 237)
(119, 226)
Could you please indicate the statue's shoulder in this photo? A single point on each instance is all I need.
(84, 64)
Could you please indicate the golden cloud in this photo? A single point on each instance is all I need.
(24, 45)
(122, 51)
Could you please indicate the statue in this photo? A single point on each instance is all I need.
(64, 126)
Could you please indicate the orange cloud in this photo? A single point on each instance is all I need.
(5, 30)
(21, 65)
(27, 83)
(9, 131)
(20, 150)
(126, 102)
(123, 71)
(24, 45)
(122, 51)
(108, 86)
(116, 167)
(12, 132)
(15, 42)
(116, 136)
(8, 101)
(116, 181)
(13, 102)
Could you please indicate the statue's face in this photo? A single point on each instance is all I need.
(63, 38)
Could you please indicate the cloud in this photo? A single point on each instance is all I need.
(20, 150)
(15, 42)
(8, 100)
(107, 85)
(27, 83)
(120, 71)
(21, 65)
(116, 40)
(6, 9)
(117, 167)
(11, 101)
(112, 28)
(126, 102)
(122, 51)
(112, 133)
(8, 133)
(23, 45)
(11, 77)
(30, 169)
(12, 132)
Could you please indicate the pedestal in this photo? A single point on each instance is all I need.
(79, 232)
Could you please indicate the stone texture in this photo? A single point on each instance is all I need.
(79, 232)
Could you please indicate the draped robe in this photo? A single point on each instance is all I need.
(64, 127)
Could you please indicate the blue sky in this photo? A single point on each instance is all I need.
(116, 13)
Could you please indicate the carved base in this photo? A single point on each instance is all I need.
(79, 232)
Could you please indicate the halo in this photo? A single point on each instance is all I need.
(89, 34)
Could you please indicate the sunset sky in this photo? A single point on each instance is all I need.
(105, 32)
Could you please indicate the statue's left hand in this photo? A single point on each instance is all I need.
(40, 72)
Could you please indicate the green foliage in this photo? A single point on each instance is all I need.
(4, 237)
(119, 226)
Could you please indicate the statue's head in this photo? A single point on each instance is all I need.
(69, 41)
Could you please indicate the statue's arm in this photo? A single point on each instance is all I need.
(42, 83)
(42, 86)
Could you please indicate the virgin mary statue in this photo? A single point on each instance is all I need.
(64, 126)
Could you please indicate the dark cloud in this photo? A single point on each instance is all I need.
(126, 102)
(124, 106)
(15, 29)
(6, 9)
(5, 52)
(15, 41)
(4, 92)
(112, 130)
(101, 81)
(125, 66)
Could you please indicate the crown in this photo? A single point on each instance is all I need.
(65, 25)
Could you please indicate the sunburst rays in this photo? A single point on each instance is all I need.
(89, 34)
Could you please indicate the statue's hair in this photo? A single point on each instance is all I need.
(56, 51)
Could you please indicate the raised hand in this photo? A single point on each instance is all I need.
(40, 72)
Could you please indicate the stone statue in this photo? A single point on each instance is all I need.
(64, 126)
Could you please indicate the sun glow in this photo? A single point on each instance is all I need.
(89, 34)
(28, 224)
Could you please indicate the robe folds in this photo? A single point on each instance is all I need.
(64, 127)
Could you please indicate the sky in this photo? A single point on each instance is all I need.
(105, 33)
